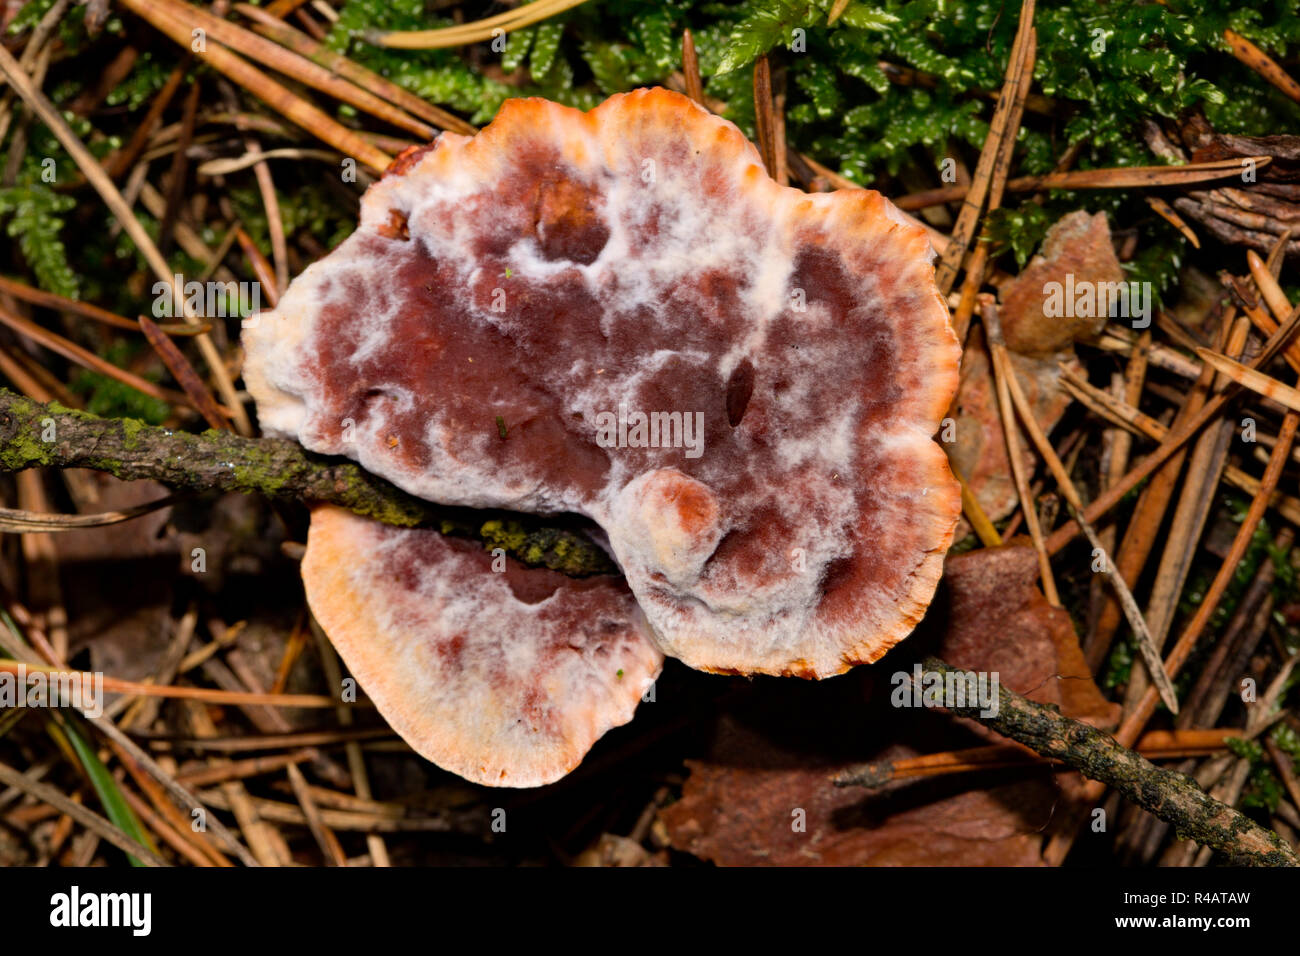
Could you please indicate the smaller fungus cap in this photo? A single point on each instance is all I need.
(504, 677)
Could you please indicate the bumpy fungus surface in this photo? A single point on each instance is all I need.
(504, 677)
(620, 314)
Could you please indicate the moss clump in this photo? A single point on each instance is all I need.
(25, 449)
(551, 548)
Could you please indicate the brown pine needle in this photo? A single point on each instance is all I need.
(279, 98)
(1161, 356)
(232, 164)
(168, 809)
(1111, 407)
(1171, 328)
(1268, 286)
(115, 685)
(86, 358)
(1136, 720)
(1167, 213)
(1148, 516)
(24, 380)
(1263, 321)
(279, 58)
(1176, 439)
(92, 821)
(178, 174)
(1285, 765)
(691, 69)
(1196, 500)
(976, 275)
(1150, 653)
(475, 32)
(274, 220)
(260, 265)
(764, 120)
(285, 35)
(1247, 377)
(330, 665)
(988, 313)
(184, 374)
(1278, 251)
(103, 185)
(323, 835)
(1259, 61)
(242, 744)
(973, 202)
(1002, 161)
(51, 301)
(24, 522)
(1154, 745)
(282, 8)
(1126, 416)
(207, 775)
(288, 814)
(1123, 177)
(164, 830)
(119, 161)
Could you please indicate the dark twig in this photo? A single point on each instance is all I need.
(1169, 795)
(36, 435)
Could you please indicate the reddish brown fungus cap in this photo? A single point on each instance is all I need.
(619, 314)
(506, 677)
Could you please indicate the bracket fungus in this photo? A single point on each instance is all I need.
(619, 314)
(504, 677)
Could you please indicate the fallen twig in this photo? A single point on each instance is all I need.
(36, 435)
(1169, 795)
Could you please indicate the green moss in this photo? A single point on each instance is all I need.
(26, 449)
(391, 512)
(131, 429)
(508, 536)
(544, 547)
(258, 468)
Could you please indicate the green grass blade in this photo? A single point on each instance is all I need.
(106, 788)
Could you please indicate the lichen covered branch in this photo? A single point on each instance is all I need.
(34, 435)
(1171, 796)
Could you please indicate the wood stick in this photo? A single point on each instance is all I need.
(1169, 795)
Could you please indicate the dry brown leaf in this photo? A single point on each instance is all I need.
(1078, 245)
(766, 774)
(980, 451)
(737, 817)
(997, 620)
